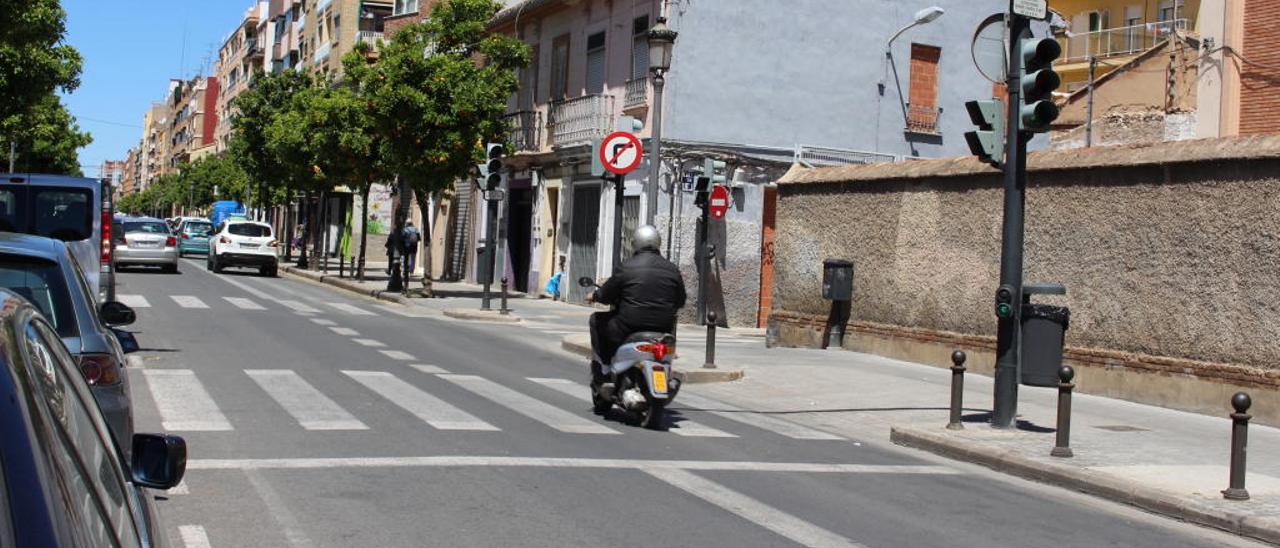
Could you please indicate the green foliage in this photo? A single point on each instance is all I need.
(34, 61)
(270, 142)
(437, 110)
(47, 138)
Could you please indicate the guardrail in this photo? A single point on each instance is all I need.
(1117, 41)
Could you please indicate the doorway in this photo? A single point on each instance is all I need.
(585, 225)
(519, 236)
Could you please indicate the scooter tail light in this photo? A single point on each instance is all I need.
(659, 351)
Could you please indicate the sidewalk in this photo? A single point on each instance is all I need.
(1169, 462)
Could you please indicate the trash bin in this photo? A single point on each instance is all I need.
(484, 264)
(837, 280)
(1044, 328)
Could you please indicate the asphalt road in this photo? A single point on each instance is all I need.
(316, 418)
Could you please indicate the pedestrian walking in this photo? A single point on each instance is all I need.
(410, 237)
(393, 250)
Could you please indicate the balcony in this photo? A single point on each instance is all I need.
(923, 119)
(526, 130)
(637, 94)
(1118, 41)
(581, 120)
(321, 5)
(322, 53)
(372, 37)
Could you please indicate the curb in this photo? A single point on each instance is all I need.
(343, 283)
(1100, 484)
(480, 315)
(581, 345)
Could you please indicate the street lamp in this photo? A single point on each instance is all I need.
(661, 41)
(923, 17)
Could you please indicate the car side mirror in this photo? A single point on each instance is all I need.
(128, 343)
(159, 460)
(586, 281)
(116, 314)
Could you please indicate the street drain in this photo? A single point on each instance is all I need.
(1121, 428)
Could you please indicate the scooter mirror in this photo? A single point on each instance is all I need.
(586, 281)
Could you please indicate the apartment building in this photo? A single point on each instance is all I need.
(130, 180)
(331, 28)
(194, 119)
(156, 142)
(1112, 33)
(114, 171)
(1241, 68)
(805, 89)
(241, 55)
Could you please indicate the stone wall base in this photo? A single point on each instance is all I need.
(1188, 385)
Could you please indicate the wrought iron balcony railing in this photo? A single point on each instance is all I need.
(637, 93)
(580, 120)
(923, 118)
(526, 130)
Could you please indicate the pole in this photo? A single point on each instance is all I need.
(655, 161)
(1005, 406)
(13, 154)
(700, 255)
(490, 249)
(1088, 123)
(619, 192)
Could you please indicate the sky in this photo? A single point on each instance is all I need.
(131, 49)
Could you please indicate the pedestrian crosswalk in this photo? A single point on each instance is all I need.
(184, 404)
(258, 302)
(244, 304)
(188, 301)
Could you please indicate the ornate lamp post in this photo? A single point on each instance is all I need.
(661, 41)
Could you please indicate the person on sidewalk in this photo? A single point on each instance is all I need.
(646, 292)
(393, 250)
(409, 239)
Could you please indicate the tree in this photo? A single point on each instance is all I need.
(437, 110)
(202, 177)
(34, 61)
(47, 138)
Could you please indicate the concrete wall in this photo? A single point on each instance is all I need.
(774, 73)
(1172, 266)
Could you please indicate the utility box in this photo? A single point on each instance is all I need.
(484, 264)
(837, 280)
(1044, 329)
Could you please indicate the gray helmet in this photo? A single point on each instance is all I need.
(646, 237)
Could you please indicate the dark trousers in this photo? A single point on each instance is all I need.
(607, 334)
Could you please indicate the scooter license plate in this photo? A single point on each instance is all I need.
(660, 382)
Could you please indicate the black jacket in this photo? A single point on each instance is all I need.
(648, 291)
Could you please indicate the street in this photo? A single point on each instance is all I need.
(316, 418)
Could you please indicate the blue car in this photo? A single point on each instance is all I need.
(193, 236)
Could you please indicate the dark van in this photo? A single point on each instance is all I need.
(76, 210)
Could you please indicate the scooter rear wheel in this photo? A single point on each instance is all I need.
(654, 415)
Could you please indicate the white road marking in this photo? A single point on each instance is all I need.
(368, 342)
(298, 306)
(684, 427)
(322, 321)
(289, 524)
(183, 402)
(242, 286)
(407, 311)
(312, 409)
(535, 409)
(448, 461)
(758, 420)
(133, 301)
(243, 303)
(188, 301)
(193, 536)
(752, 510)
(344, 331)
(398, 355)
(354, 310)
(430, 409)
(179, 489)
(429, 369)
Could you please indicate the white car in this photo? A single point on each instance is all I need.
(244, 243)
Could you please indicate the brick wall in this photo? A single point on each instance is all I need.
(395, 23)
(1260, 86)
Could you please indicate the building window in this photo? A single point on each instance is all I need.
(596, 59)
(405, 6)
(922, 105)
(529, 81)
(560, 67)
(640, 47)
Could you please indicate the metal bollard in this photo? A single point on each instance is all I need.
(1062, 443)
(957, 390)
(1239, 446)
(711, 341)
(504, 310)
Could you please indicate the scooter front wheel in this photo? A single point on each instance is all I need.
(599, 405)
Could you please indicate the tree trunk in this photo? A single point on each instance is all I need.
(364, 229)
(424, 208)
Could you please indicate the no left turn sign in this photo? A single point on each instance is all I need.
(620, 152)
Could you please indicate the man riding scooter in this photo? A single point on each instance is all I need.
(645, 293)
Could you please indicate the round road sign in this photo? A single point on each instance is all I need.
(620, 152)
(719, 201)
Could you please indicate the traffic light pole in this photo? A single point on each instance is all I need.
(1008, 328)
(619, 195)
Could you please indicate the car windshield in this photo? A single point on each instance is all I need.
(152, 227)
(42, 283)
(249, 229)
(198, 229)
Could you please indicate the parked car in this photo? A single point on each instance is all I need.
(75, 210)
(244, 243)
(43, 271)
(147, 242)
(65, 483)
(193, 236)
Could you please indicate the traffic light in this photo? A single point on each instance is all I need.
(987, 142)
(1038, 80)
(714, 170)
(491, 171)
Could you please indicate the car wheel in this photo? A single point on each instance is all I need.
(171, 268)
(217, 268)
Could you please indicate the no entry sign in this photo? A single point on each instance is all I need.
(718, 203)
(620, 152)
